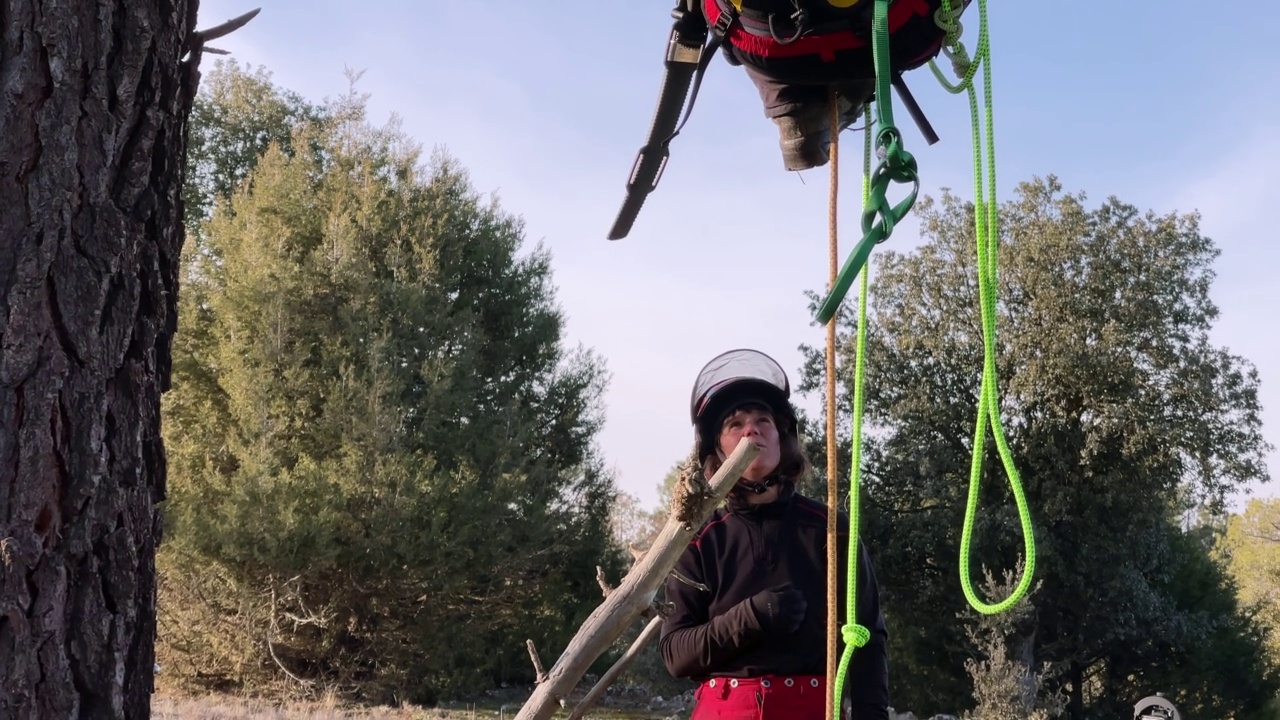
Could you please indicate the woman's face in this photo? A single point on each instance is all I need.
(758, 425)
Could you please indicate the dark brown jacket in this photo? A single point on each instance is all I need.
(745, 549)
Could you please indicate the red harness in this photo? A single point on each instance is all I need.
(825, 45)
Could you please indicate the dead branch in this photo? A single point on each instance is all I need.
(272, 649)
(299, 621)
(1266, 537)
(603, 581)
(634, 596)
(227, 27)
(690, 491)
(293, 593)
(589, 700)
(537, 662)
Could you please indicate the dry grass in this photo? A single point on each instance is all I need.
(230, 707)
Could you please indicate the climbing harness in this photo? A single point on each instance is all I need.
(878, 220)
(821, 44)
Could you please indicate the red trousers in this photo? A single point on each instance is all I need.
(772, 697)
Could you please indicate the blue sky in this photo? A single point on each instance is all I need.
(1168, 108)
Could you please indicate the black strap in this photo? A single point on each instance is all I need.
(718, 33)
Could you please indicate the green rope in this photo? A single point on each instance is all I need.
(879, 216)
(986, 228)
(898, 165)
(855, 635)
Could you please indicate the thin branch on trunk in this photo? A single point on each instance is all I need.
(593, 696)
(537, 662)
(227, 27)
(603, 581)
(635, 595)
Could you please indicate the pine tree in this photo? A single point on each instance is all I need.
(384, 470)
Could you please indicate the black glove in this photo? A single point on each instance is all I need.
(779, 609)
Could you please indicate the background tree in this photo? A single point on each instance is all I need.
(385, 476)
(238, 114)
(1251, 549)
(1005, 684)
(1121, 414)
(92, 141)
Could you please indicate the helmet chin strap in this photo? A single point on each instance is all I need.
(759, 488)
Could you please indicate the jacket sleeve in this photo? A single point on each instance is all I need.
(694, 644)
(867, 679)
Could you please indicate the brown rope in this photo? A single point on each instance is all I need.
(832, 501)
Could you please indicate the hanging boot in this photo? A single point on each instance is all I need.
(805, 135)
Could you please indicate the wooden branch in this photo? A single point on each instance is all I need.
(633, 597)
(649, 633)
(537, 662)
(636, 553)
(272, 649)
(227, 27)
(603, 581)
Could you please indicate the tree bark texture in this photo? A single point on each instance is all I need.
(94, 98)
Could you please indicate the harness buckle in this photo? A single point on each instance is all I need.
(724, 22)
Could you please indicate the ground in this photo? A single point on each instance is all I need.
(621, 704)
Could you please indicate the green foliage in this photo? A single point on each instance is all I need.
(382, 468)
(1220, 668)
(1006, 686)
(237, 115)
(1121, 415)
(1251, 549)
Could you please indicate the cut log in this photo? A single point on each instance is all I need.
(636, 593)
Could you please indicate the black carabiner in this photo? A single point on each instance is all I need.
(799, 17)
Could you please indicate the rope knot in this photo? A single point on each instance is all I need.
(960, 60)
(948, 21)
(855, 635)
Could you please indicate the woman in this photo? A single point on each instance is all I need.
(754, 635)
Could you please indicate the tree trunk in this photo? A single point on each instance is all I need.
(92, 145)
(1075, 701)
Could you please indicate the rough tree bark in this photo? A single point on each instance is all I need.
(94, 98)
